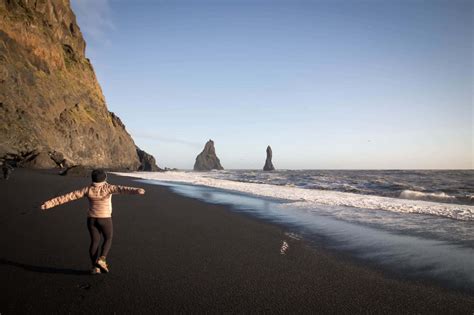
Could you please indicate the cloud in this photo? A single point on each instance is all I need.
(94, 18)
(152, 136)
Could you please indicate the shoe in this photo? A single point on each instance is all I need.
(95, 271)
(102, 265)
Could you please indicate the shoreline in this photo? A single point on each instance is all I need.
(307, 198)
(177, 254)
(336, 236)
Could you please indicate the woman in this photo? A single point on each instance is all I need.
(99, 217)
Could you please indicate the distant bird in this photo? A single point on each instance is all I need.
(284, 247)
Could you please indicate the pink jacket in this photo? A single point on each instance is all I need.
(99, 195)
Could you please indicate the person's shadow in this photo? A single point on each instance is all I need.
(41, 269)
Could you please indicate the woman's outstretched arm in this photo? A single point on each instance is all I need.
(77, 194)
(117, 189)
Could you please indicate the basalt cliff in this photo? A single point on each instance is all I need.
(52, 110)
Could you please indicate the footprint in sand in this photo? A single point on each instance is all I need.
(84, 286)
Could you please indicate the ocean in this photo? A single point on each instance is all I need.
(417, 223)
(452, 186)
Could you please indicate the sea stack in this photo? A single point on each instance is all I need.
(207, 160)
(268, 163)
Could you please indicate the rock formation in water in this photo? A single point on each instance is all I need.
(207, 160)
(268, 162)
(50, 101)
(147, 162)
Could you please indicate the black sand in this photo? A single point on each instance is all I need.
(175, 254)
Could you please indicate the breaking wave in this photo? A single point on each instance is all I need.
(418, 195)
(413, 202)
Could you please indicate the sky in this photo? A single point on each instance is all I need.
(327, 84)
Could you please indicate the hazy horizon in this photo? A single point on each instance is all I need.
(328, 84)
(334, 169)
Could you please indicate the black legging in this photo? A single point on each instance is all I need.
(98, 226)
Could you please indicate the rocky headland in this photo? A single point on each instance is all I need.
(148, 162)
(52, 110)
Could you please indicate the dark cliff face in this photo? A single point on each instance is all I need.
(50, 100)
(207, 160)
(268, 162)
(148, 162)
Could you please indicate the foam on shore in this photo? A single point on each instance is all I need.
(312, 198)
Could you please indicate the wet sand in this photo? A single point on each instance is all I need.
(176, 254)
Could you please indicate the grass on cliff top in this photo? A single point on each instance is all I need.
(82, 113)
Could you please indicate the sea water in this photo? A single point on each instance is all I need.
(416, 223)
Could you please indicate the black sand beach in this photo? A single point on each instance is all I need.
(176, 254)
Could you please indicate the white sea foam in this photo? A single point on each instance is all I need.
(418, 195)
(311, 198)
